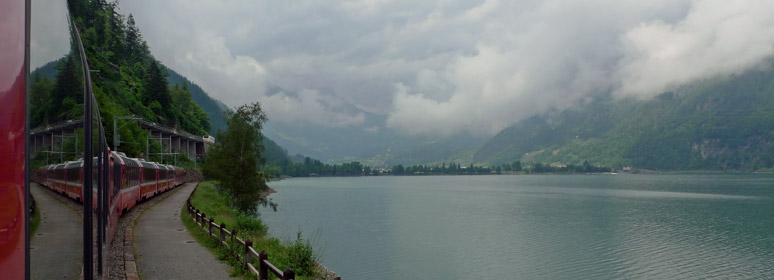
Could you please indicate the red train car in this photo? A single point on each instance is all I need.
(14, 61)
(126, 177)
(150, 179)
(73, 180)
(129, 182)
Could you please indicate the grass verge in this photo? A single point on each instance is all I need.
(297, 254)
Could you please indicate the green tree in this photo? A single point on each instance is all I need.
(398, 169)
(136, 48)
(156, 87)
(516, 165)
(235, 158)
(40, 99)
(69, 85)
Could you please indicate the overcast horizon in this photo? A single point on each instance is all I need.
(447, 66)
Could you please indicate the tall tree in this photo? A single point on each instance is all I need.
(136, 48)
(68, 90)
(40, 99)
(117, 42)
(235, 158)
(156, 87)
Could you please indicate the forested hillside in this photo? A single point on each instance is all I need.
(127, 80)
(725, 123)
(211, 106)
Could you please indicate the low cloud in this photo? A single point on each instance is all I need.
(310, 106)
(238, 79)
(715, 38)
(49, 32)
(448, 66)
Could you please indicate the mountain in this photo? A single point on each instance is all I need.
(723, 123)
(370, 143)
(127, 81)
(424, 149)
(211, 106)
(48, 70)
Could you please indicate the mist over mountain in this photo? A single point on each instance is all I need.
(720, 123)
(369, 144)
(433, 81)
(723, 123)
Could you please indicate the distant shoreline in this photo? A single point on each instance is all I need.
(649, 172)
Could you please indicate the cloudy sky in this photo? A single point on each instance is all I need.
(447, 66)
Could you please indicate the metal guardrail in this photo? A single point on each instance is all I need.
(249, 254)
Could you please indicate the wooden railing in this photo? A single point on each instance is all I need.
(249, 253)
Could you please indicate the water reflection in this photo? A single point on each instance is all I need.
(56, 142)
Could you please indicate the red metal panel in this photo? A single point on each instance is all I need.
(12, 132)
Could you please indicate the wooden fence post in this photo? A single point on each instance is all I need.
(233, 233)
(196, 217)
(288, 274)
(203, 219)
(222, 232)
(248, 257)
(209, 225)
(263, 270)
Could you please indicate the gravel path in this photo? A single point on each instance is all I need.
(55, 250)
(165, 249)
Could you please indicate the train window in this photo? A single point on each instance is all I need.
(135, 175)
(116, 179)
(135, 179)
(149, 174)
(73, 174)
(129, 169)
(125, 177)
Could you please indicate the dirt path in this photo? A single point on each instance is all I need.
(165, 249)
(55, 250)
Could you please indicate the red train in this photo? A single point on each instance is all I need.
(13, 121)
(130, 180)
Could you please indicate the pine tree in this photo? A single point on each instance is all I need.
(68, 90)
(136, 48)
(156, 88)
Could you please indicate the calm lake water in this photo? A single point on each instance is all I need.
(534, 227)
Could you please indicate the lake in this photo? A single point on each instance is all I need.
(534, 226)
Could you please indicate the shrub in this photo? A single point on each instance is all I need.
(249, 225)
(301, 256)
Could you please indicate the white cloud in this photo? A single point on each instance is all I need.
(715, 38)
(49, 32)
(310, 106)
(237, 79)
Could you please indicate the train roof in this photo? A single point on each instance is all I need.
(148, 164)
